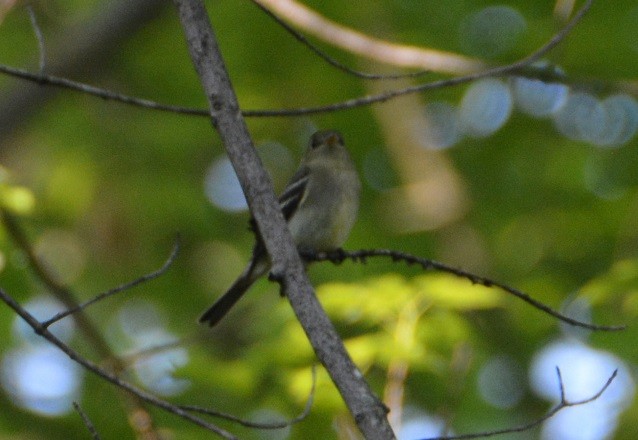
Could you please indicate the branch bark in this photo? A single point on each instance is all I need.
(368, 411)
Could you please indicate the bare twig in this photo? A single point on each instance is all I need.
(60, 291)
(110, 377)
(517, 67)
(39, 36)
(327, 58)
(260, 425)
(126, 286)
(87, 421)
(145, 353)
(564, 403)
(85, 47)
(362, 255)
(65, 83)
(370, 47)
(520, 67)
(86, 326)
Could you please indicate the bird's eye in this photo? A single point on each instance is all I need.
(315, 142)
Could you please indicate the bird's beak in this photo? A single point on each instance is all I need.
(332, 140)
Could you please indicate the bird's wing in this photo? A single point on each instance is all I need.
(291, 196)
(294, 193)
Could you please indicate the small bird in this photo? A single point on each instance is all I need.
(320, 204)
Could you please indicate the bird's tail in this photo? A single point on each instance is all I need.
(221, 307)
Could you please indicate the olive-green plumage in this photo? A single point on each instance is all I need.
(320, 204)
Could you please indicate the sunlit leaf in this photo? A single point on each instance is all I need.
(456, 293)
(618, 285)
(17, 199)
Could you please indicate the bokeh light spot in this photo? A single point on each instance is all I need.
(222, 187)
(419, 424)
(486, 107)
(151, 348)
(442, 127)
(537, 98)
(492, 31)
(42, 379)
(622, 120)
(156, 371)
(271, 416)
(580, 310)
(501, 382)
(582, 117)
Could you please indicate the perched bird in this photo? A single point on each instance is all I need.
(320, 204)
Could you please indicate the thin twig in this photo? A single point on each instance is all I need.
(366, 46)
(145, 353)
(327, 58)
(564, 403)
(362, 255)
(39, 36)
(517, 67)
(86, 326)
(126, 286)
(60, 291)
(105, 94)
(87, 422)
(262, 425)
(110, 377)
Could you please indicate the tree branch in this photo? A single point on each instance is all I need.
(564, 403)
(521, 67)
(126, 286)
(61, 292)
(42, 58)
(110, 377)
(327, 58)
(260, 425)
(86, 326)
(87, 422)
(369, 47)
(87, 47)
(368, 412)
(339, 256)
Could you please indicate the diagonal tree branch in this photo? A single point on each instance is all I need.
(327, 58)
(60, 291)
(370, 47)
(367, 410)
(121, 288)
(106, 375)
(143, 423)
(260, 425)
(87, 422)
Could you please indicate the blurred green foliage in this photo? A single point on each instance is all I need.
(553, 217)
